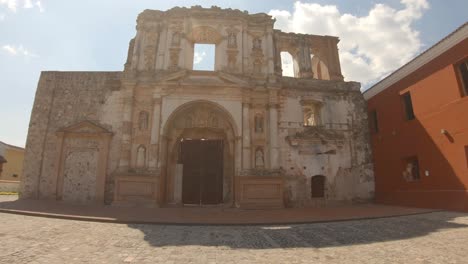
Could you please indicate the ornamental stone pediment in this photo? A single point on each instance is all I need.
(85, 127)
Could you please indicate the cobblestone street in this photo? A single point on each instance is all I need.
(440, 237)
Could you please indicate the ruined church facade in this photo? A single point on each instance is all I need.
(162, 134)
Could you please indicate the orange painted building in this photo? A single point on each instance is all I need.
(418, 118)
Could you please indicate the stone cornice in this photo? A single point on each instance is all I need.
(206, 13)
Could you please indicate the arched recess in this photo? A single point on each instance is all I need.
(289, 65)
(196, 120)
(319, 68)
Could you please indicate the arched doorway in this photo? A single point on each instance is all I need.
(197, 155)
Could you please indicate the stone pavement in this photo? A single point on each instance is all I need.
(438, 237)
(196, 215)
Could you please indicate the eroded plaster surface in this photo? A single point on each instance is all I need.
(285, 129)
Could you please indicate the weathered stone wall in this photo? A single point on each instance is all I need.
(63, 99)
(337, 148)
(9, 186)
(280, 127)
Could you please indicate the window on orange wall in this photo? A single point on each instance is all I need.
(463, 72)
(374, 123)
(466, 155)
(408, 104)
(411, 169)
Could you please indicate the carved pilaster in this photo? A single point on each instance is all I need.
(128, 101)
(246, 153)
(155, 130)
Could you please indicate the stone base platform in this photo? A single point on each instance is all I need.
(200, 216)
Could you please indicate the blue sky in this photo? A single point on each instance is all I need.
(376, 38)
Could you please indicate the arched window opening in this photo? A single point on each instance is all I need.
(317, 186)
(288, 65)
(319, 68)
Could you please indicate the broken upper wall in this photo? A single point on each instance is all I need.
(313, 56)
(246, 44)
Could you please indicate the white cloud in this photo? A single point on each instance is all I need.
(198, 57)
(371, 46)
(28, 4)
(13, 5)
(18, 51)
(10, 4)
(2, 17)
(39, 5)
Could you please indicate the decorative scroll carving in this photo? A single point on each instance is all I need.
(213, 121)
(175, 39)
(150, 48)
(174, 58)
(202, 117)
(232, 37)
(257, 44)
(259, 120)
(257, 65)
(205, 34)
(257, 55)
(232, 59)
(143, 120)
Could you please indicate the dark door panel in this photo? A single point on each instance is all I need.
(202, 171)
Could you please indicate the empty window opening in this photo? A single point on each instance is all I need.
(463, 68)
(287, 64)
(408, 106)
(311, 111)
(411, 170)
(374, 123)
(204, 57)
(317, 186)
(319, 68)
(310, 116)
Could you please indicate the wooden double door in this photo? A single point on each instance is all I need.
(202, 182)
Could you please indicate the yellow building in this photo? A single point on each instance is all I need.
(12, 169)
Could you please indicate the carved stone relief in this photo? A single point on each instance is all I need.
(259, 158)
(259, 121)
(205, 34)
(150, 49)
(141, 157)
(143, 120)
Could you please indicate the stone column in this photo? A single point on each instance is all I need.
(333, 59)
(274, 148)
(270, 53)
(125, 153)
(154, 147)
(238, 156)
(246, 154)
(304, 60)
